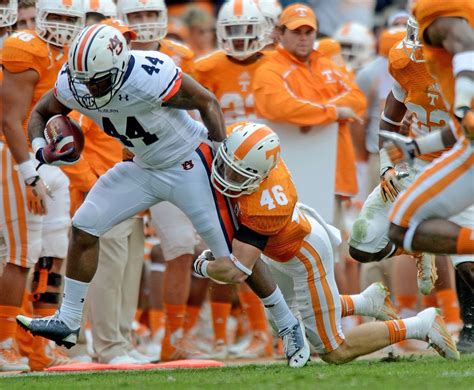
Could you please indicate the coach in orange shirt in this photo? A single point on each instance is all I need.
(299, 85)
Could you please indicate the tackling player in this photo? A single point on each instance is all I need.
(299, 246)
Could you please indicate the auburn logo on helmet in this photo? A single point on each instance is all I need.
(115, 46)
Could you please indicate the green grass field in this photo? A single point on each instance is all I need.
(406, 373)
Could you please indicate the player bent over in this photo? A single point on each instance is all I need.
(299, 246)
(140, 98)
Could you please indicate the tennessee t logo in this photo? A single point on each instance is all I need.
(274, 153)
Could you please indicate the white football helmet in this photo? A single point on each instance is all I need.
(97, 62)
(245, 159)
(147, 32)
(59, 33)
(8, 13)
(271, 9)
(357, 44)
(103, 7)
(411, 43)
(241, 29)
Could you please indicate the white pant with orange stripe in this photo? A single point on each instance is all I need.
(443, 190)
(29, 237)
(127, 189)
(307, 283)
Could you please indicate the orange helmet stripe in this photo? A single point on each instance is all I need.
(85, 40)
(238, 7)
(250, 142)
(94, 4)
(67, 3)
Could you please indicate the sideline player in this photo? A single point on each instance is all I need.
(299, 245)
(35, 226)
(140, 98)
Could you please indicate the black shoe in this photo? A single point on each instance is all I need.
(51, 328)
(466, 339)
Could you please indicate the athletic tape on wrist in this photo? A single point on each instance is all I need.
(27, 170)
(239, 265)
(38, 143)
(157, 267)
(388, 120)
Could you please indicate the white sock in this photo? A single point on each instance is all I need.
(279, 310)
(362, 305)
(74, 297)
(415, 328)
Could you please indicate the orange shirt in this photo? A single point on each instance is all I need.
(231, 81)
(422, 96)
(182, 55)
(24, 50)
(271, 211)
(290, 91)
(438, 59)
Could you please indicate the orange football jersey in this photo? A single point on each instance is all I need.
(182, 55)
(423, 95)
(439, 60)
(24, 50)
(231, 82)
(272, 211)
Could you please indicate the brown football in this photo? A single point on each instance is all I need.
(64, 133)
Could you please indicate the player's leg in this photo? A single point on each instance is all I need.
(177, 239)
(22, 234)
(419, 215)
(119, 194)
(466, 303)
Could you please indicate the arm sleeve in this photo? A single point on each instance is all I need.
(275, 101)
(251, 237)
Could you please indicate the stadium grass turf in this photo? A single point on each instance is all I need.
(406, 373)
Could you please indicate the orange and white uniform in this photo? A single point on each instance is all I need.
(299, 252)
(289, 91)
(29, 236)
(181, 54)
(446, 187)
(231, 81)
(420, 93)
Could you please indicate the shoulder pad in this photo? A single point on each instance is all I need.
(397, 58)
(178, 48)
(27, 41)
(210, 61)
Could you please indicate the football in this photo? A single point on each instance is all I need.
(64, 133)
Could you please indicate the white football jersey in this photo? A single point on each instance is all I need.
(158, 136)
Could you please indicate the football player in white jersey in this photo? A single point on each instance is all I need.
(140, 98)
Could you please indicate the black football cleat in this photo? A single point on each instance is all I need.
(51, 328)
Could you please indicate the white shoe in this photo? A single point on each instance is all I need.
(10, 359)
(296, 346)
(257, 346)
(220, 351)
(124, 359)
(438, 336)
(143, 359)
(380, 305)
(82, 358)
(426, 272)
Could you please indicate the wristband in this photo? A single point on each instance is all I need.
(203, 268)
(430, 143)
(388, 120)
(463, 95)
(37, 144)
(239, 265)
(27, 170)
(385, 162)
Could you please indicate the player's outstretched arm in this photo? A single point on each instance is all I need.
(46, 107)
(193, 96)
